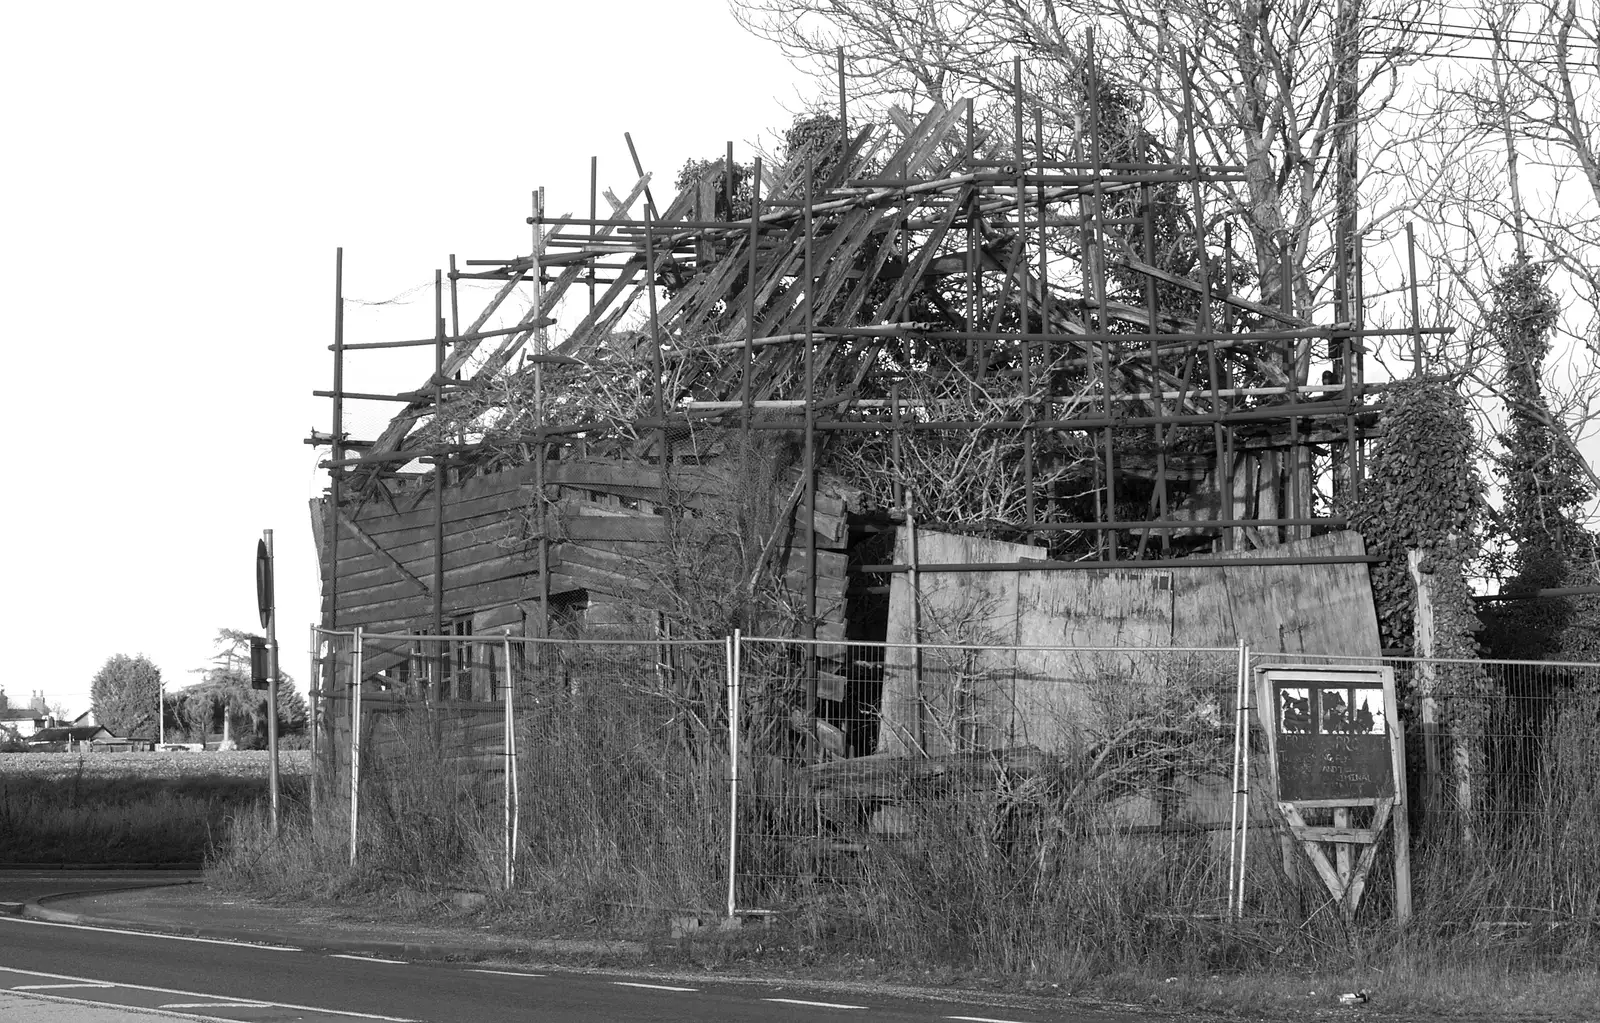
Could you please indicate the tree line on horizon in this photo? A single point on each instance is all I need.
(126, 690)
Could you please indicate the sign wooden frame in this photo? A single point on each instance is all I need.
(1328, 749)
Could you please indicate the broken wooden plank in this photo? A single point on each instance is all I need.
(651, 528)
(594, 475)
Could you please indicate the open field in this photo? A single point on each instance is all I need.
(210, 764)
(155, 808)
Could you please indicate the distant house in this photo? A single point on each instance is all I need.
(20, 720)
(84, 719)
(25, 721)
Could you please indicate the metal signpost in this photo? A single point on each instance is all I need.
(267, 605)
(1335, 744)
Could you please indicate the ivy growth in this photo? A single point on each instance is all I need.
(1543, 478)
(1423, 493)
(713, 173)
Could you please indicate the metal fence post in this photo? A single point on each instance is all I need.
(313, 691)
(355, 742)
(516, 783)
(1234, 867)
(734, 645)
(1243, 798)
(510, 766)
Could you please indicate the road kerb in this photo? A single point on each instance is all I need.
(421, 950)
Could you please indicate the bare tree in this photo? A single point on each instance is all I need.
(1519, 185)
(1546, 66)
(1281, 90)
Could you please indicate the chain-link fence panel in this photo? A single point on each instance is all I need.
(418, 781)
(622, 773)
(1503, 781)
(974, 792)
(580, 773)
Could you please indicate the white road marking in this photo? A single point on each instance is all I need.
(367, 959)
(241, 1004)
(506, 973)
(191, 994)
(652, 987)
(983, 1019)
(52, 987)
(126, 1008)
(150, 934)
(815, 1005)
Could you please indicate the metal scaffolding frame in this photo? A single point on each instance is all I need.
(921, 276)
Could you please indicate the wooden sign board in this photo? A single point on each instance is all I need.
(1335, 743)
(1333, 738)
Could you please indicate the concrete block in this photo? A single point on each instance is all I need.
(468, 902)
(684, 926)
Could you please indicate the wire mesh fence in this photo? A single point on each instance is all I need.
(1000, 775)
(623, 771)
(971, 792)
(578, 771)
(1503, 774)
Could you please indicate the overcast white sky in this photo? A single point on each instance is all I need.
(176, 179)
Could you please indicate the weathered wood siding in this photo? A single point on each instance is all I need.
(604, 537)
(398, 732)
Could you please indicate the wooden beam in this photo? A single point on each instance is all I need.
(1319, 859)
(1360, 836)
(1358, 879)
(390, 559)
(1233, 300)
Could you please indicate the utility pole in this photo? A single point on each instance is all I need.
(1347, 57)
(266, 603)
(1344, 352)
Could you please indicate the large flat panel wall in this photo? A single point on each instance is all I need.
(950, 699)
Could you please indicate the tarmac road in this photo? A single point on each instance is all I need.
(85, 974)
(19, 886)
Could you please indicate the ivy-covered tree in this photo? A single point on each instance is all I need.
(1423, 493)
(1543, 479)
(125, 694)
(1419, 512)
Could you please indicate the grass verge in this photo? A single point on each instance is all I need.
(127, 808)
(624, 822)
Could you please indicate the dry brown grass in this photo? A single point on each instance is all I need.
(624, 807)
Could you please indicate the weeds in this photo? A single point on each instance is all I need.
(621, 805)
(86, 817)
(1069, 866)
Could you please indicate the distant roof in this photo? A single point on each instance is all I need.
(20, 714)
(76, 734)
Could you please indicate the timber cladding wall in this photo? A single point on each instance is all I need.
(605, 540)
(386, 554)
(399, 732)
